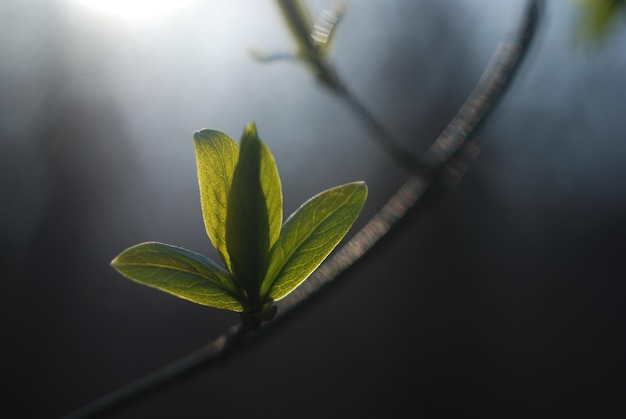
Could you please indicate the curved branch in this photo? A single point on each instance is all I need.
(498, 75)
(205, 357)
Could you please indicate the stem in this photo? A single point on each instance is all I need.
(210, 355)
(489, 89)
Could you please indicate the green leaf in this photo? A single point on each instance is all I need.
(180, 272)
(254, 215)
(597, 20)
(216, 157)
(309, 235)
(241, 200)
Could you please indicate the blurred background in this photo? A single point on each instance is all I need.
(505, 299)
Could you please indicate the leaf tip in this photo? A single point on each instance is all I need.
(361, 186)
(201, 134)
(250, 130)
(117, 260)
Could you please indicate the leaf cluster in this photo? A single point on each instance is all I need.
(242, 206)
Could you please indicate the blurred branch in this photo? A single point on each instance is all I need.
(314, 42)
(210, 355)
(439, 160)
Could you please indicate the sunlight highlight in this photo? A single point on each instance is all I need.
(135, 9)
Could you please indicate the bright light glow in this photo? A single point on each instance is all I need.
(135, 9)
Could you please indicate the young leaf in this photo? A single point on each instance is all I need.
(254, 215)
(216, 157)
(180, 272)
(309, 235)
(241, 200)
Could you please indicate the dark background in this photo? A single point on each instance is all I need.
(504, 299)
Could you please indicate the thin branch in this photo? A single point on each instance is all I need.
(296, 16)
(205, 357)
(489, 89)
(497, 76)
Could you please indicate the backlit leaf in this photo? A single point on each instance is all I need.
(216, 157)
(309, 235)
(180, 272)
(264, 260)
(254, 215)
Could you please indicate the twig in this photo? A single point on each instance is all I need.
(489, 89)
(205, 357)
(497, 76)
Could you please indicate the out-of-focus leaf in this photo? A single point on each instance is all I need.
(255, 213)
(216, 158)
(325, 28)
(180, 272)
(309, 235)
(598, 16)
